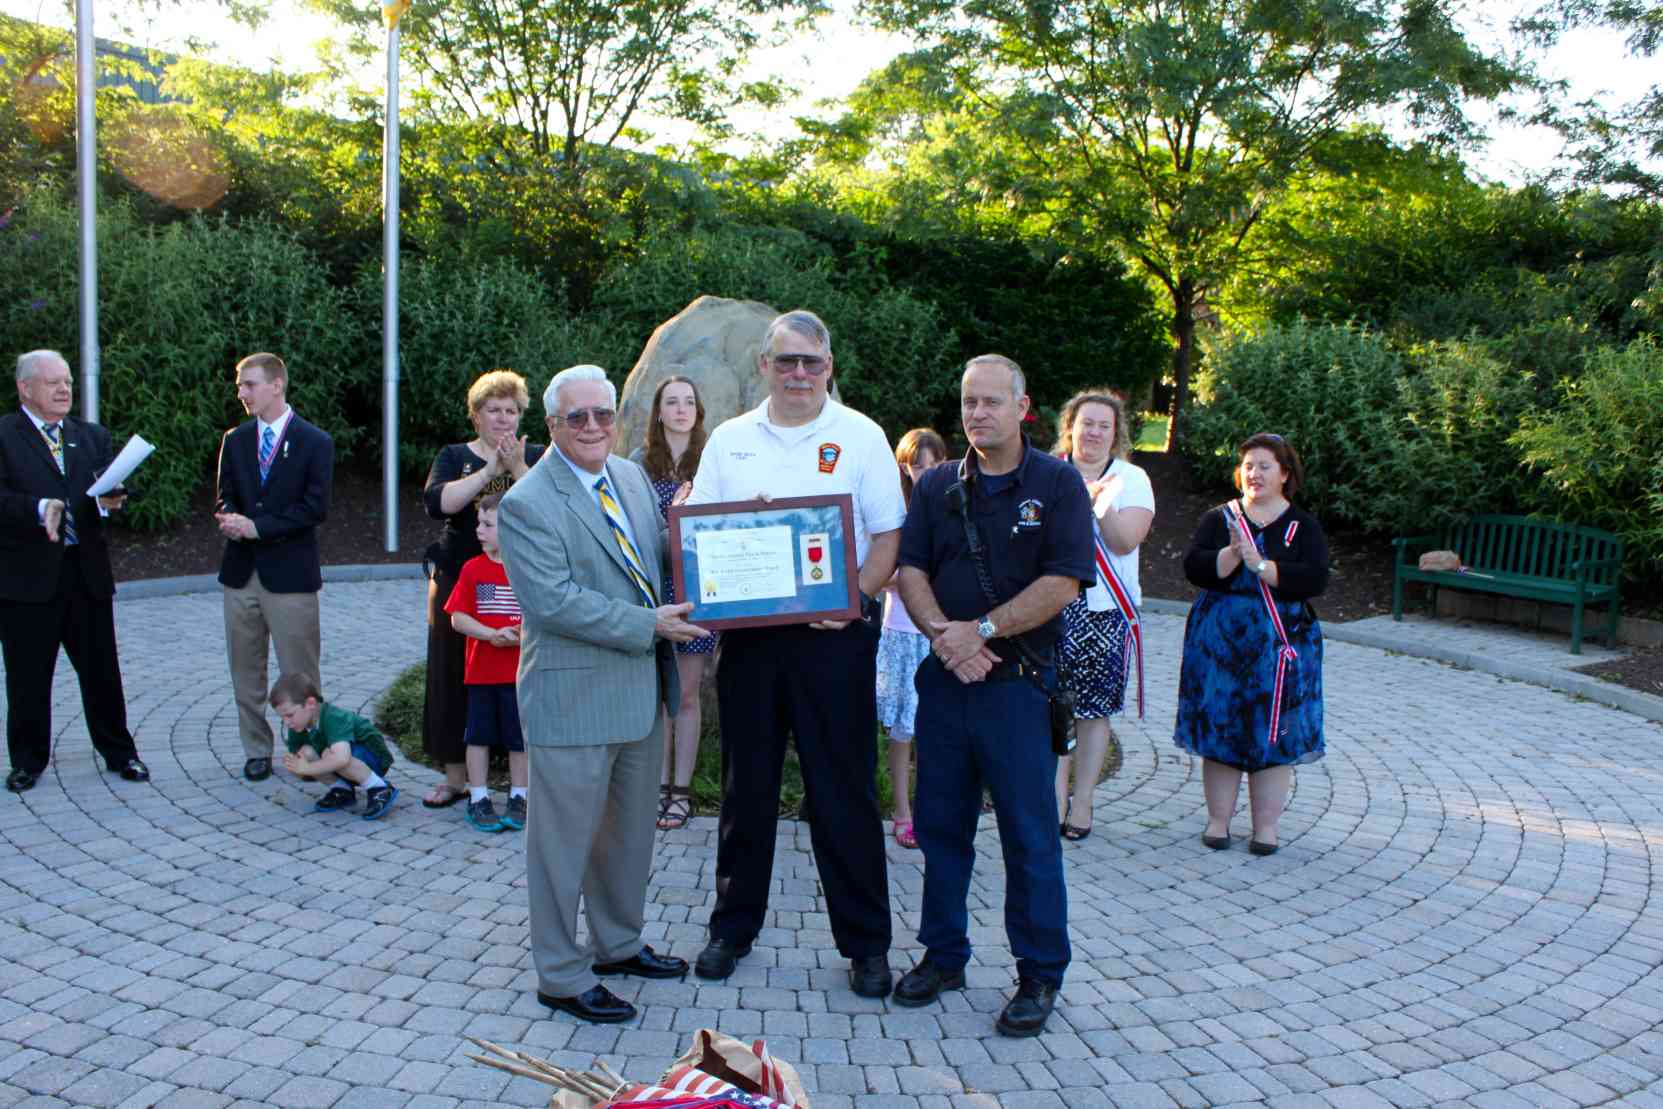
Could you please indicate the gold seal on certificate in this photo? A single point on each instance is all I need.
(758, 563)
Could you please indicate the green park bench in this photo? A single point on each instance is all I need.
(1520, 556)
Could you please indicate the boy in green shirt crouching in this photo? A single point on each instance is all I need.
(333, 745)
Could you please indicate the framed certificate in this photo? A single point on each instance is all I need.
(750, 564)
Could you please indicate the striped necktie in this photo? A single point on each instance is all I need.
(54, 440)
(268, 450)
(632, 557)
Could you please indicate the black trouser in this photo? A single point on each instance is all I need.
(445, 708)
(30, 633)
(819, 688)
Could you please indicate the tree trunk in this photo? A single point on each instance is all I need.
(1183, 330)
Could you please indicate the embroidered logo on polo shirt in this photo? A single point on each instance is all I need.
(829, 453)
(1028, 514)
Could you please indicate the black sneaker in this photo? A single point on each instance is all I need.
(483, 816)
(378, 800)
(338, 797)
(514, 818)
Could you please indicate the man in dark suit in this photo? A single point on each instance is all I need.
(275, 475)
(56, 588)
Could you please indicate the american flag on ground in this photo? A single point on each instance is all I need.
(685, 1086)
(496, 600)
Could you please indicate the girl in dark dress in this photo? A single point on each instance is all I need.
(1250, 692)
(462, 474)
(674, 440)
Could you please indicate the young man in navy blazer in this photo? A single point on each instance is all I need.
(56, 588)
(275, 476)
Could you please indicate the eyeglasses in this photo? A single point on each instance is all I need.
(811, 364)
(576, 420)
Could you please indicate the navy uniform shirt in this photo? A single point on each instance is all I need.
(1034, 521)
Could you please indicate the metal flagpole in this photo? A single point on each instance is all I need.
(391, 13)
(86, 158)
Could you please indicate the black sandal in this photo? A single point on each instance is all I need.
(1072, 832)
(675, 807)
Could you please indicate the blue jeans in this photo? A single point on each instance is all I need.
(997, 733)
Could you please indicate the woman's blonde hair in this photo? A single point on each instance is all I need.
(498, 384)
(1122, 445)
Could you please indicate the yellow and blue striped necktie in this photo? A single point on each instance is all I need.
(632, 558)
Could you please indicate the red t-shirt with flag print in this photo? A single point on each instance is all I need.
(482, 591)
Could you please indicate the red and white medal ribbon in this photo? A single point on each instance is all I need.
(1285, 653)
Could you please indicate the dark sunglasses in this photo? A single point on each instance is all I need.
(576, 420)
(811, 364)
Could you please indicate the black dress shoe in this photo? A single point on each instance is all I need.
(645, 964)
(719, 958)
(924, 983)
(1028, 1011)
(869, 975)
(1259, 847)
(1217, 843)
(597, 1004)
(133, 770)
(257, 770)
(21, 780)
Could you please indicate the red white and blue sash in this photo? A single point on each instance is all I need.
(1122, 597)
(1285, 653)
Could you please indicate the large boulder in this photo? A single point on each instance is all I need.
(713, 342)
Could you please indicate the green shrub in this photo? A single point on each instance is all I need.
(1332, 391)
(1392, 442)
(456, 321)
(1599, 451)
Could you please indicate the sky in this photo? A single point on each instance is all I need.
(831, 62)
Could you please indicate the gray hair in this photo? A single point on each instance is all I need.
(570, 376)
(1019, 382)
(804, 323)
(28, 365)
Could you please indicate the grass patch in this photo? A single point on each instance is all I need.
(1152, 435)
(399, 716)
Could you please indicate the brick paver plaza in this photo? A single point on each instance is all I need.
(1461, 915)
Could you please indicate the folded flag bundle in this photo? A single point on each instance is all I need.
(717, 1071)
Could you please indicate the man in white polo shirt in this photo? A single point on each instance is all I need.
(815, 682)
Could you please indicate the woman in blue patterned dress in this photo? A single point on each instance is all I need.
(901, 647)
(674, 440)
(1250, 691)
(1096, 634)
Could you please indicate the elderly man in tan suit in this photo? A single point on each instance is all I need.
(583, 547)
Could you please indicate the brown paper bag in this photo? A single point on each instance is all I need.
(747, 1067)
(1440, 560)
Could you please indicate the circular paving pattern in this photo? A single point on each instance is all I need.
(1461, 914)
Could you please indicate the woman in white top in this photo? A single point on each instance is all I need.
(1099, 627)
(902, 647)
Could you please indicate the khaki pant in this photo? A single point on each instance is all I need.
(589, 833)
(254, 618)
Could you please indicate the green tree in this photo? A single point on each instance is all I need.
(1170, 126)
(571, 76)
(1614, 145)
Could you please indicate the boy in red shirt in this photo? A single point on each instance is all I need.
(483, 608)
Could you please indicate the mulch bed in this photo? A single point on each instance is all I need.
(1360, 585)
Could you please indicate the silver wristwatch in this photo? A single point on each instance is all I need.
(1260, 568)
(986, 629)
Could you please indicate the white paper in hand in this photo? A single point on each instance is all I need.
(135, 452)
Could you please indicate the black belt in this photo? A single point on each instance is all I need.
(1015, 668)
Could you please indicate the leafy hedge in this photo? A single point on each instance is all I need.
(1597, 453)
(1400, 441)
